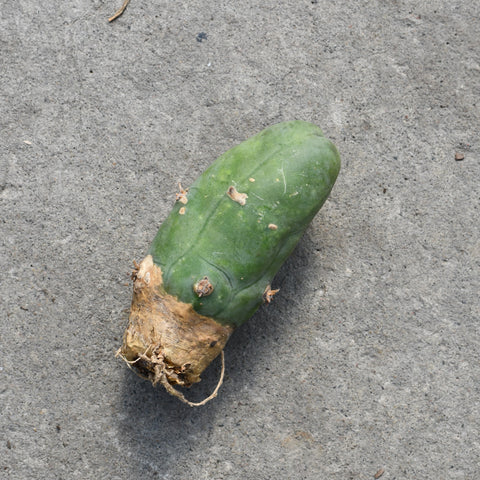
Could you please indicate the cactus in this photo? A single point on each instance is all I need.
(212, 262)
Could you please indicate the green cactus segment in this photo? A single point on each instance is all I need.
(287, 172)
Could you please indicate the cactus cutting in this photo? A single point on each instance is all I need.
(213, 260)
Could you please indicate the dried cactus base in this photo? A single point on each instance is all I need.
(166, 341)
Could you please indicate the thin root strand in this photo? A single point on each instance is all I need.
(160, 371)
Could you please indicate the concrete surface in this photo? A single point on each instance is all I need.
(369, 357)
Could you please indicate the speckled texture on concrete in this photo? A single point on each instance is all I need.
(369, 356)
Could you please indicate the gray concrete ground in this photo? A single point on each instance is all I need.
(369, 357)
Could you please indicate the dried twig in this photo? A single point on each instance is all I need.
(119, 11)
(379, 473)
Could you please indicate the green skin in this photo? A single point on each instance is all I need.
(294, 167)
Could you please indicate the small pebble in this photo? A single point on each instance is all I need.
(201, 37)
(459, 156)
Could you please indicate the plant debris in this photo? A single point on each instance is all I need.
(120, 11)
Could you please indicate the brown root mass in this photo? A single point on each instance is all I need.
(166, 340)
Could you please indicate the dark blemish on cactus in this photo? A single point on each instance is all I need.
(203, 287)
(240, 198)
